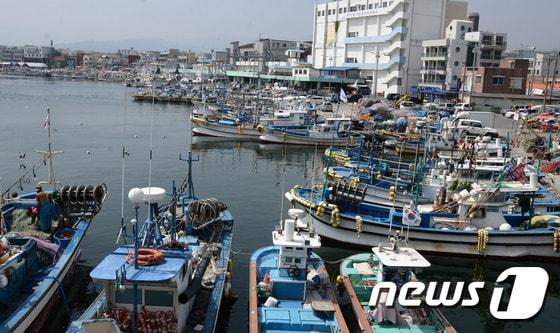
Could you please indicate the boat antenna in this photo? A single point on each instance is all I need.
(396, 187)
(313, 183)
(124, 153)
(49, 153)
(284, 157)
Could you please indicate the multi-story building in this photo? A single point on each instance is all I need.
(383, 38)
(488, 47)
(265, 50)
(510, 77)
(443, 59)
(40, 54)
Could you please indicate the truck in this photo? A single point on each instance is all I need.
(470, 127)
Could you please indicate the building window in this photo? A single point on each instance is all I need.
(352, 34)
(399, 81)
(340, 10)
(516, 83)
(363, 7)
(370, 6)
(318, 13)
(345, 9)
(352, 60)
(454, 77)
(462, 28)
(478, 79)
(456, 63)
(457, 49)
(498, 80)
(469, 29)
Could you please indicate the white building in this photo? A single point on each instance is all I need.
(443, 59)
(489, 47)
(383, 38)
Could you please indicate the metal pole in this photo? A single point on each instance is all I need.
(134, 284)
(376, 70)
(534, 70)
(545, 92)
(475, 61)
(554, 75)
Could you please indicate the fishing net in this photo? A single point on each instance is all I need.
(20, 220)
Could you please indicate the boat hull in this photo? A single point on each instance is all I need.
(512, 245)
(285, 138)
(231, 132)
(32, 313)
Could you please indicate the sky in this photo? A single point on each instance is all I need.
(205, 24)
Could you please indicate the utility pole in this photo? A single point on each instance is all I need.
(545, 92)
(475, 61)
(534, 71)
(554, 74)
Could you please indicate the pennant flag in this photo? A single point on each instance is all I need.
(47, 121)
(343, 96)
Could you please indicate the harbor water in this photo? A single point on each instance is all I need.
(91, 123)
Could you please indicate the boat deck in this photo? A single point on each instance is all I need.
(294, 312)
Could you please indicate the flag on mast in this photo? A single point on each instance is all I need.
(47, 121)
(343, 96)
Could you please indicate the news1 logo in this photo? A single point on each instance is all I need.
(524, 301)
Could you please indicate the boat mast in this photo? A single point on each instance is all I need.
(49, 154)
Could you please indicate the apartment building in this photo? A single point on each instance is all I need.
(383, 38)
(488, 47)
(444, 59)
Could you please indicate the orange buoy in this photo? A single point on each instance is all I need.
(146, 257)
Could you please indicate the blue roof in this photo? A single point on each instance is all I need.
(338, 68)
(171, 265)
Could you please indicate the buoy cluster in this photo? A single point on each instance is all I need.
(148, 321)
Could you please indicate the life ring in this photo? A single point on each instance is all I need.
(146, 257)
(293, 271)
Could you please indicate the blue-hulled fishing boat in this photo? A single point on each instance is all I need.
(290, 289)
(480, 222)
(172, 273)
(41, 238)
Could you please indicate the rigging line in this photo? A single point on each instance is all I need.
(34, 168)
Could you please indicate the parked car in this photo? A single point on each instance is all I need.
(326, 107)
(407, 105)
(363, 90)
(447, 107)
(463, 107)
(471, 127)
(393, 97)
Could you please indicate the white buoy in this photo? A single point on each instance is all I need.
(505, 227)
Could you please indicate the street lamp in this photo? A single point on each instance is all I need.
(374, 74)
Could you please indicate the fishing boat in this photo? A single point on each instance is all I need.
(40, 243)
(331, 132)
(172, 273)
(481, 222)
(289, 288)
(225, 128)
(394, 263)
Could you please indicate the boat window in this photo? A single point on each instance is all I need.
(289, 248)
(287, 260)
(297, 261)
(126, 296)
(491, 209)
(159, 298)
(299, 248)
